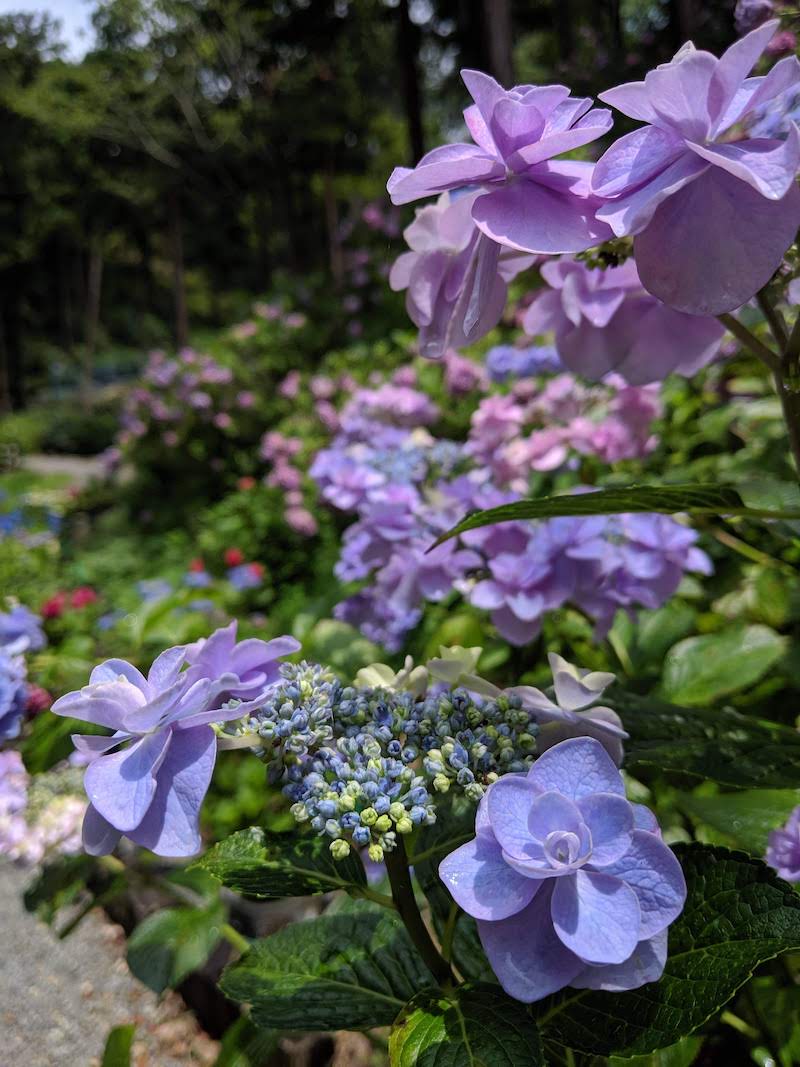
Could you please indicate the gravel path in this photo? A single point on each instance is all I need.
(59, 999)
(80, 469)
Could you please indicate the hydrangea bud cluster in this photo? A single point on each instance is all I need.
(20, 633)
(40, 816)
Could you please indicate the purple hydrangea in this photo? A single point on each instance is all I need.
(21, 631)
(455, 277)
(783, 849)
(712, 215)
(255, 663)
(148, 779)
(570, 883)
(528, 201)
(508, 361)
(13, 694)
(604, 320)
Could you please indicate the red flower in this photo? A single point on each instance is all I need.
(83, 596)
(246, 483)
(38, 700)
(233, 557)
(257, 569)
(197, 565)
(54, 607)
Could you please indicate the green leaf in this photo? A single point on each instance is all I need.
(665, 499)
(119, 1043)
(244, 1045)
(681, 1054)
(172, 943)
(717, 744)
(744, 818)
(738, 914)
(477, 1026)
(700, 670)
(349, 971)
(274, 866)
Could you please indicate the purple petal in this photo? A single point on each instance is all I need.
(402, 269)
(447, 167)
(655, 876)
(479, 130)
(551, 812)
(733, 67)
(632, 100)
(104, 704)
(526, 955)
(159, 709)
(171, 826)
(111, 670)
(597, 123)
(508, 803)
(768, 166)
(99, 836)
(487, 254)
(631, 213)
(645, 965)
(758, 91)
(166, 668)
(679, 93)
(534, 218)
(644, 819)
(482, 883)
(577, 768)
(94, 745)
(634, 159)
(514, 630)
(484, 90)
(486, 595)
(668, 341)
(714, 244)
(121, 786)
(610, 820)
(544, 314)
(596, 916)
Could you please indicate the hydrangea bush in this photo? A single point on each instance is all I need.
(514, 899)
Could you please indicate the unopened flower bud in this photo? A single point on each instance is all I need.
(383, 823)
(369, 816)
(340, 849)
(375, 853)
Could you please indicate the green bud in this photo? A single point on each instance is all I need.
(346, 802)
(340, 849)
(382, 823)
(396, 811)
(474, 791)
(404, 825)
(441, 783)
(299, 811)
(369, 816)
(375, 853)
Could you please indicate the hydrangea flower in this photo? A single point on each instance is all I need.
(566, 888)
(148, 779)
(13, 694)
(783, 848)
(573, 712)
(604, 320)
(712, 215)
(21, 631)
(508, 361)
(254, 663)
(528, 201)
(455, 278)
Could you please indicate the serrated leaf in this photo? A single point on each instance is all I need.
(717, 744)
(349, 971)
(738, 914)
(274, 866)
(117, 1052)
(169, 945)
(478, 1026)
(692, 499)
(745, 818)
(700, 670)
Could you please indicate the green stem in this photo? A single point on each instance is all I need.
(234, 938)
(376, 897)
(449, 932)
(774, 318)
(787, 372)
(749, 340)
(403, 894)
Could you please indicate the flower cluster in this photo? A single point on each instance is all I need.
(783, 849)
(570, 882)
(30, 518)
(281, 452)
(712, 211)
(408, 487)
(20, 633)
(41, 816)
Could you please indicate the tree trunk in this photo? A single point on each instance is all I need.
(562, 19)
(408, 46)
(332, 226)
(94, 288)
(497, 26)
(616, 38)
(11, 288)
(178, 271)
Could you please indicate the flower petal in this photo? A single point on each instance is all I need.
(99, 836)
(577, 768)
(526, 955)
(596, 916)
(532, 217)
(734, 65)
(714, 244)
(508, 805)
(111, 670)
(634, 159)
(551, 812)
(769, 166)
(632, 212)
(482, 883)
(631, 99)
(593, 125)
(447, 167)
(652, 871)
(121, 786)
(171, 826)
(166, 668)
(645, 965)
(644, 819)
(610, 820)
(679, 93)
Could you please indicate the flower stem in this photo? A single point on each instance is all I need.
(234, 938)
(403, 894)
(749, 340)
(787, 371)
